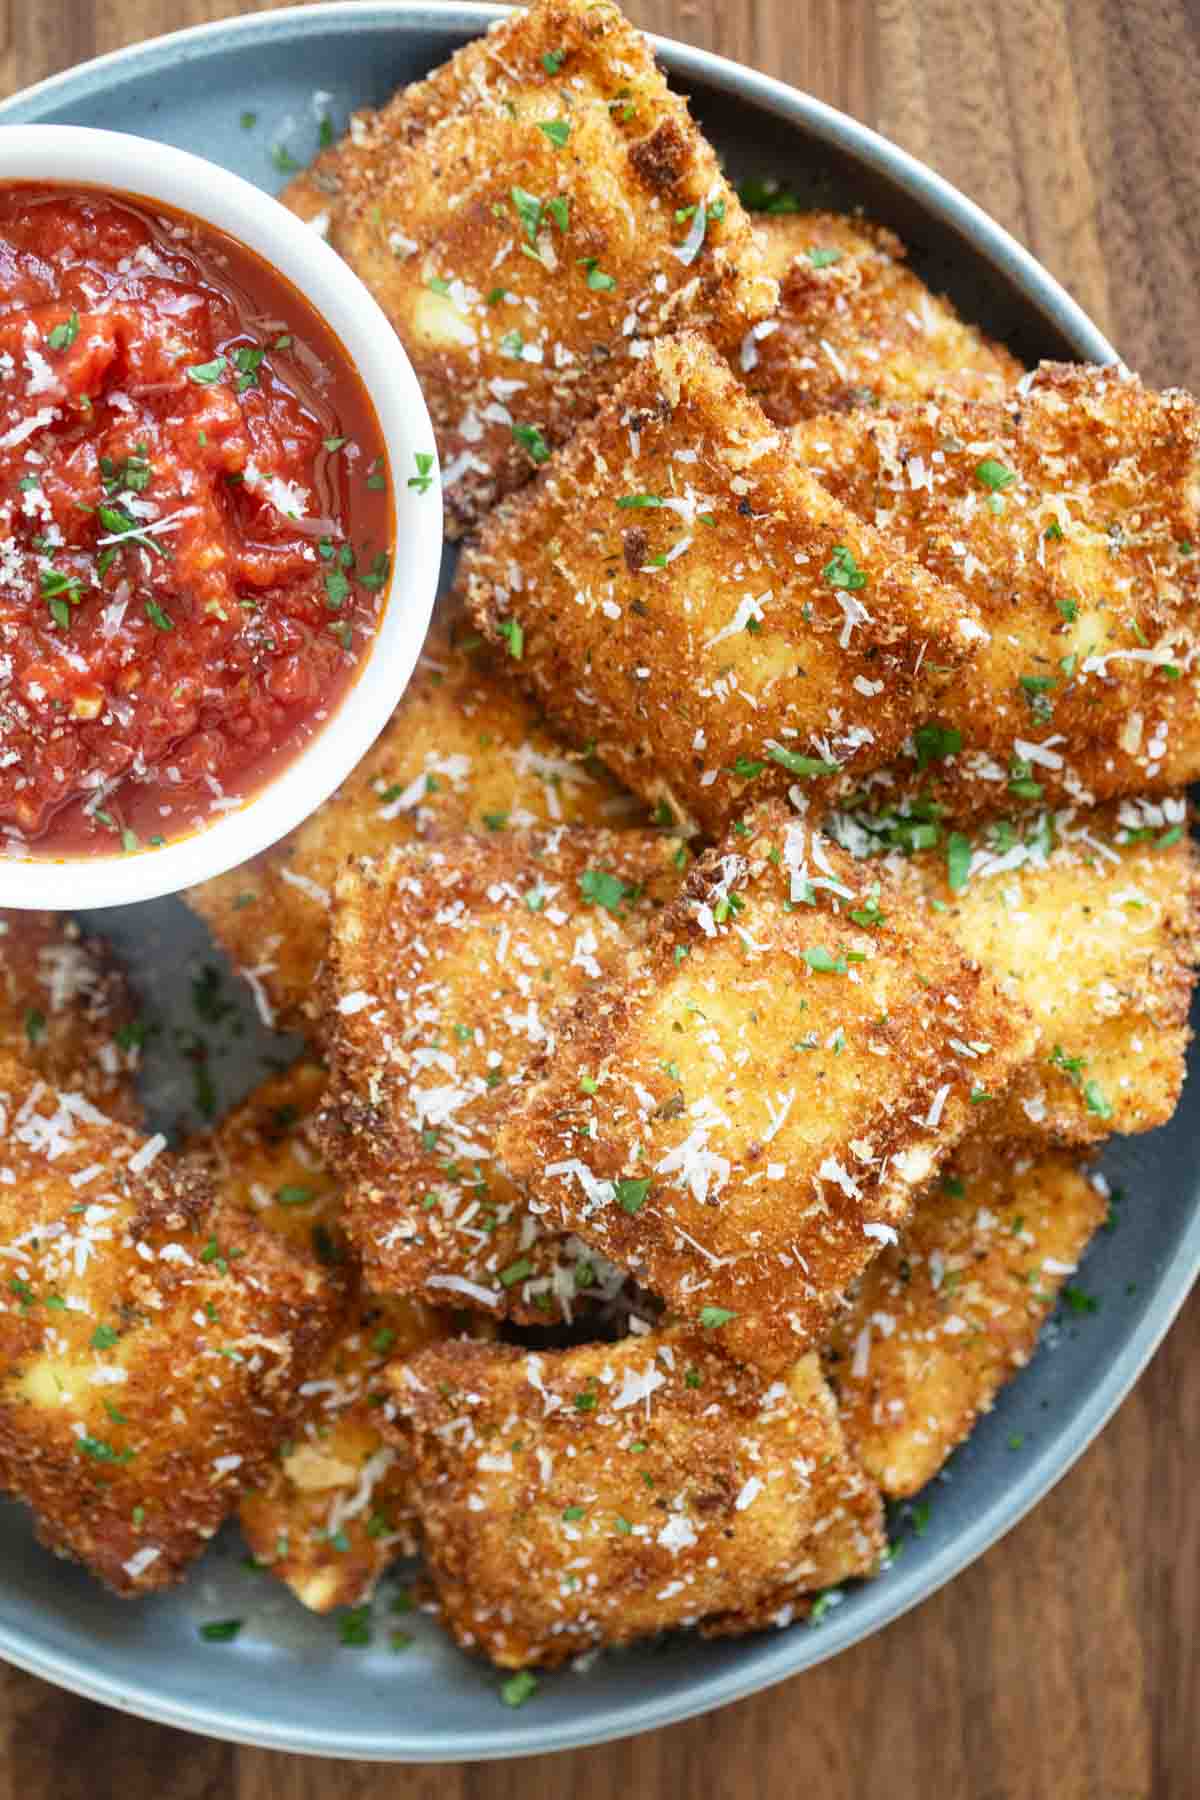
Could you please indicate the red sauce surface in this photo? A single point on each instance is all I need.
(195, 522)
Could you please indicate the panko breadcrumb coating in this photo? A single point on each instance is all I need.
(464, 749)
(684, 598)
(742, 1115)
(448, 964)
(585, 1498)
(1069, 520)
(856, 328)
(1090, 920)
(529, 219)
(943, 1319)
(152, 1341)
(335, 1507)
(66, 1007)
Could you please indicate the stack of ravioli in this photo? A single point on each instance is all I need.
(772, 889)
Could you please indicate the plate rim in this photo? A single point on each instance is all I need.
(789, 1654)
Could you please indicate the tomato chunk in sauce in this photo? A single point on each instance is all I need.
(195, 522)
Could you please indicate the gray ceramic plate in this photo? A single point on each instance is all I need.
(287, 1682)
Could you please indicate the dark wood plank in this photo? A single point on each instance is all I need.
(1067, 1661)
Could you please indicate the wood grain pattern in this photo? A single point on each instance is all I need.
(1067, 1661)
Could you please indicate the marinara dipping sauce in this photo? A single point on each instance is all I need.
(195, 522)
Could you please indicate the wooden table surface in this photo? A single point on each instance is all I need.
(1066, 1662)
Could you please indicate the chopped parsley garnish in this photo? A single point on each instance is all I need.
(823, 259)
(1079, 1301)
(597, 280)
(35, 1024)
(713, 1317)
(958, 861)
(519, 1688)
(204, 374)
(354, 1627)
(63, 336)
(1096, 1100)
(769, 196)
(158, 618)
(102, 1451)
(631, 1194)
(1021, 781)
(532, 442)
(295, 1196)
(868, 915)
(513, 633)
(841, 571)
(325, 132)
(104, 1337)
(823, 962)
(597, 887)
(934, 743)
(517, 1271)
(247, 362)
(571, 1513)
(797, 764)
(557, 130)
(220, 1631)
(994, 476)
(426, 462)
(629, 502)
(585, 1401)
(747, 768)
(283, 160)
(552, 61)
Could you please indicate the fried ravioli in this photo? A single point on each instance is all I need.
(463, 749)
(591, 1497)
(66, 1008)
(448, 963)
(943, 1319)
(152, 1341)
(741, 1115)
(855, 327)
(529, 219)
(684, 598)
(335, 1508)
(1090, 920)
(1068, 520)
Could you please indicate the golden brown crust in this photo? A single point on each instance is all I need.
(741, 1116)
(448, 965)
(529, 218)
(67, 1008)
(760, 635)
(1089, 919)
(463, 750)
(1068, 520)
(597, 1495)
(334, 1506)
(152, 1340)
(856, 328)
(941, 1320)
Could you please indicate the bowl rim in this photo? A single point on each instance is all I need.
(778, 1658)
(114, 161)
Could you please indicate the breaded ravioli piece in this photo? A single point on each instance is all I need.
(334, 1507)
(943, 1319)
(856, 328)
(152, 1340)
(448, 964)
(1069, 519)
(741, 1115)
(529, 220)
(1090, 920)
(585, 1498)
(683, 597)
(463, 750)
(66, 1007)
(337, 1507)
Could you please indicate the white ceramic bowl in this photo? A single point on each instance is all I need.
(157, 173)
